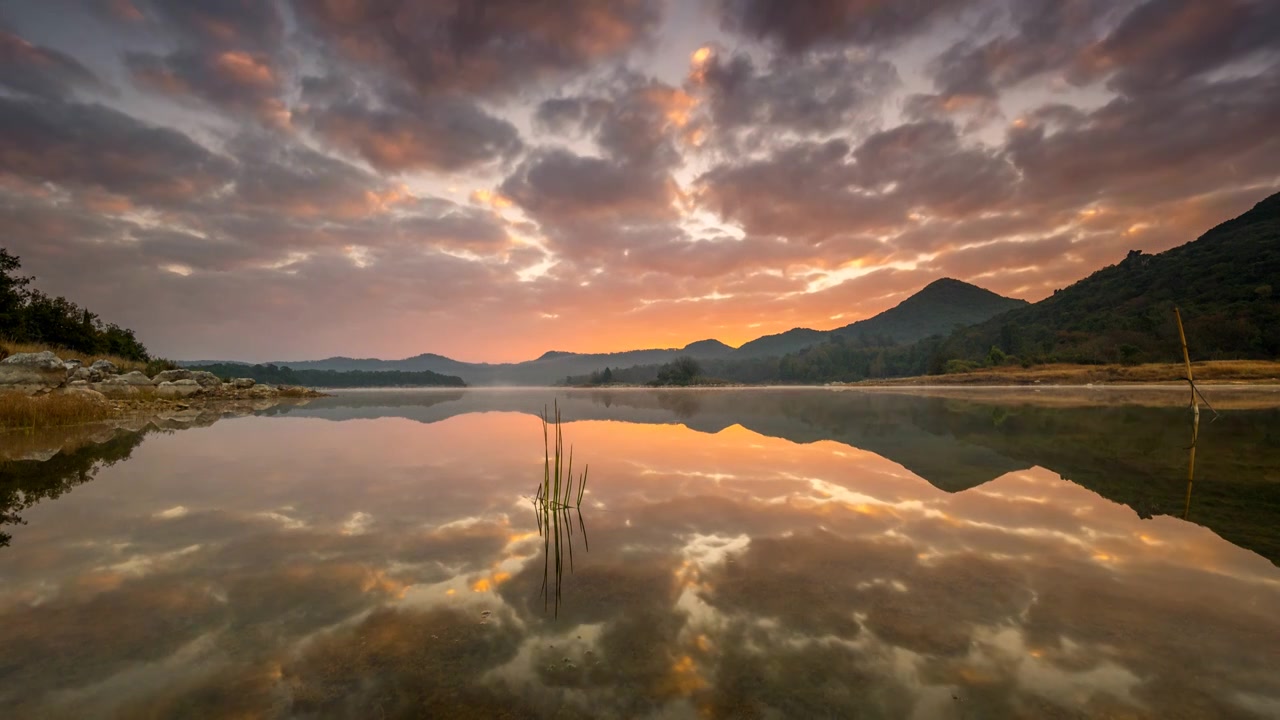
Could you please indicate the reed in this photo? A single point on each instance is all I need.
(559, 489)
(557, 501)
(18, 411)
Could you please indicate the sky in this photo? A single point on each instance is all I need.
(493, 179)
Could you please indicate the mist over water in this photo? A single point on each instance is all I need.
(753, 553)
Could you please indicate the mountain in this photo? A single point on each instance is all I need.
(1224, 283)
(551, 367)
(937, 309)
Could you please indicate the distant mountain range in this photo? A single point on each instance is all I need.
(1225, 284)
(939, 308)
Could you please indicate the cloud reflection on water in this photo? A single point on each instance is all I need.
(730, 575)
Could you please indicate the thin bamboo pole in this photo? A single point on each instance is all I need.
(1186, 358)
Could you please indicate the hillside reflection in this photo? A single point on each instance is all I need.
(294, 566)
(1130, 454)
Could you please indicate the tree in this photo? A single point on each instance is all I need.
(606, 377)
(680, 371)
(28, 315)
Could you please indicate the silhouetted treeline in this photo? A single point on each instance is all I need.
(28, 315)
(283, 375)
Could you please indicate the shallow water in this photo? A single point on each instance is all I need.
(756, 553)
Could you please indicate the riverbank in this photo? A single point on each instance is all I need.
(39, 390)
(1211, 372)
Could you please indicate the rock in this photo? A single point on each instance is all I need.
(178, 389)
(87, 373)
(78, 383)
(32, 373)
(117, 390)
(172, 375)
(134, 378)
(206, 380)
(106, 367)
(262, 391)
(71, 364)
(86, 392)
(243, 383)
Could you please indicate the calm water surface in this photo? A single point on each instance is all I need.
(739, 554)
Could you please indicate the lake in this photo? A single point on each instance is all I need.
(758, 553)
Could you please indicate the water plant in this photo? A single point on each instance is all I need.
(557, 490)
(557, 501)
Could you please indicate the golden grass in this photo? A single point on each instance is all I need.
(20, 412)
(9, 347)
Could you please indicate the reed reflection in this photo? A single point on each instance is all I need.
(557, 502)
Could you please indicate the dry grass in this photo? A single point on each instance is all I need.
(1222, 371)
(9, 347)
(18, 411)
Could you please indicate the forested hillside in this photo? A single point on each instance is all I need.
(1224, 283)
(30, 316)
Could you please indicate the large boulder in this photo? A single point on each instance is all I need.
(243, 383)
(178, 389)
(84, 391)
(172, 375)
(117, 390)
(134, 378)
(32, 373)
(262, 391)
(106, 367)
(87, 374)
(206, 380)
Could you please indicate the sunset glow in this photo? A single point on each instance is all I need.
(387, 179)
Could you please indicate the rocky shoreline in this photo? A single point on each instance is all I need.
(44, 373)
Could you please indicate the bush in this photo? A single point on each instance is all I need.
(159, 365)
(960, 366)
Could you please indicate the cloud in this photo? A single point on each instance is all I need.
(40, 71)
(498, 46)
(797, 27)
(1166, 42)
(405, 132)
(231, 80)
(822, 93)
(83, 145)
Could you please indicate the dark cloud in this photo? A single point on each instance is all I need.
(826, 93)
(479, 47)
(84, 145)
(407, 133)
(40, 71)
(1121, 153)
(1166, 42)
(818, 191)
(1047, 36)
(232, 80)
(930, 167)
(796, 27)
(222, 24)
